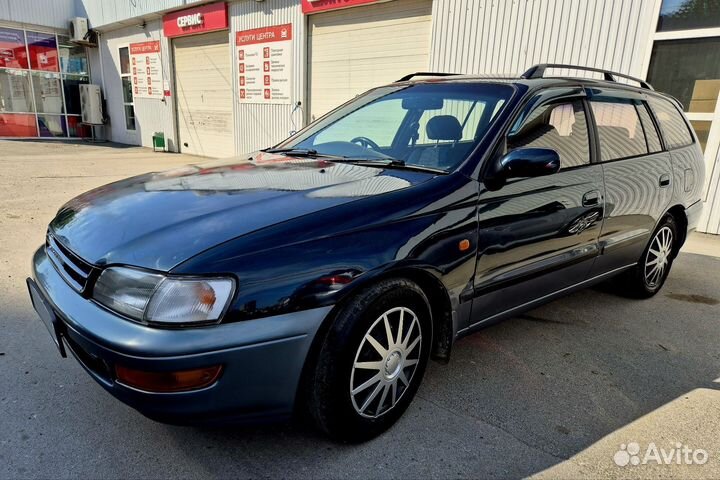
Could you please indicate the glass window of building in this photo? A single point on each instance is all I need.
(689, 70)
(15, 92)
(40, 75)
(12, 49)
(48, 92)
(52, 126)
(42, 48)
(72, 57)
(127, 90)
(688, 14)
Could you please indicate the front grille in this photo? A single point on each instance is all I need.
(73, 269)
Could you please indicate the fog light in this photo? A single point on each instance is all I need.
(164, 382)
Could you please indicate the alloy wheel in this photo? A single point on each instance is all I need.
(658, 257)
(385, 362)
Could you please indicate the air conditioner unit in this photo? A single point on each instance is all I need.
(78, 28)
(91, 104)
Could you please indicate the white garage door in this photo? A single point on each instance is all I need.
(204, 95)
(355, 49)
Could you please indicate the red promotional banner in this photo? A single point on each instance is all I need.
(205, 18)
(265, 64)
(314, 6)
(276, 33)
(144, 47)
(12, 49)
(146, 70)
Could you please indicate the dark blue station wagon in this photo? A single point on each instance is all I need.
(321, 275)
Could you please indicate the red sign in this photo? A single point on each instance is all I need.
(314, 6)
(203, 19)
(144, 47)
(277, 33)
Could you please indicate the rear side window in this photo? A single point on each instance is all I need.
(673, 126)
(561, 127)
(619, 129)
(651, 134)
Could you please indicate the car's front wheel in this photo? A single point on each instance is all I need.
(371, 361)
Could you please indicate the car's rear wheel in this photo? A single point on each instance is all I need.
(651, 271)
(371, 362)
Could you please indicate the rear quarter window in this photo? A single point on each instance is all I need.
(672, 124)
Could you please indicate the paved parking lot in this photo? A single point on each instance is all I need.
(555, 392)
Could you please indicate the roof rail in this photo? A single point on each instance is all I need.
(537, 71)
(426, 74)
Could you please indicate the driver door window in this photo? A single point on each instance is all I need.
(561, 127)
(378, 122)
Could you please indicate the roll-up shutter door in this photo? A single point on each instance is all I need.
(204, 94)
(355, 49)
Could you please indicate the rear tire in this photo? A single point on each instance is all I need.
(371, 361)
(647, 277)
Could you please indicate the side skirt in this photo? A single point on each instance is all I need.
(540, 301)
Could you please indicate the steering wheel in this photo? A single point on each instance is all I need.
(366, 142)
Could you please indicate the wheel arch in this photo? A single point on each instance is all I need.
(678, 213)
(440, 310)
(438, 299)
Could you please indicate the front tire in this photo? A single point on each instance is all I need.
(651, 271)
(371, 362)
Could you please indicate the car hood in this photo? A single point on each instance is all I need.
(159, 220)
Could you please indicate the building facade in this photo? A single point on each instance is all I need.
(223, 78)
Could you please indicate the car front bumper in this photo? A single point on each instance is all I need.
(262, 359)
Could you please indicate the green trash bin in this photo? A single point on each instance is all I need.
(158, 141)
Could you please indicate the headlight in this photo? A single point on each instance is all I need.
(155, 298)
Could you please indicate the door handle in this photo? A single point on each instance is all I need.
(591, 199)
(664, 180)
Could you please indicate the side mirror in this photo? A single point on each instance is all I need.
(529, 162)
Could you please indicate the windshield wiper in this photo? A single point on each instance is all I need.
(300, 152)
(390, 163)
(385, 162)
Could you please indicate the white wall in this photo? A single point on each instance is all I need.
(48, 13)
(103, 13)
(710, 221)
(259, 126)
(508, 36)
(256, 126)
(152, 115)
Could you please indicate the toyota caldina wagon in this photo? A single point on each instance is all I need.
(321, 275)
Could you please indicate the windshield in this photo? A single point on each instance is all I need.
(423, 125)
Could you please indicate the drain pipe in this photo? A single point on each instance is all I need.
(102, 68)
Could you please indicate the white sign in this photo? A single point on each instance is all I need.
(146, 69)
(265, 65)
(190, 20)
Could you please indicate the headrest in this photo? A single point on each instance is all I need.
(444, 127)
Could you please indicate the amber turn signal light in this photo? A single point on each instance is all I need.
(463, 244)
(165, 382)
